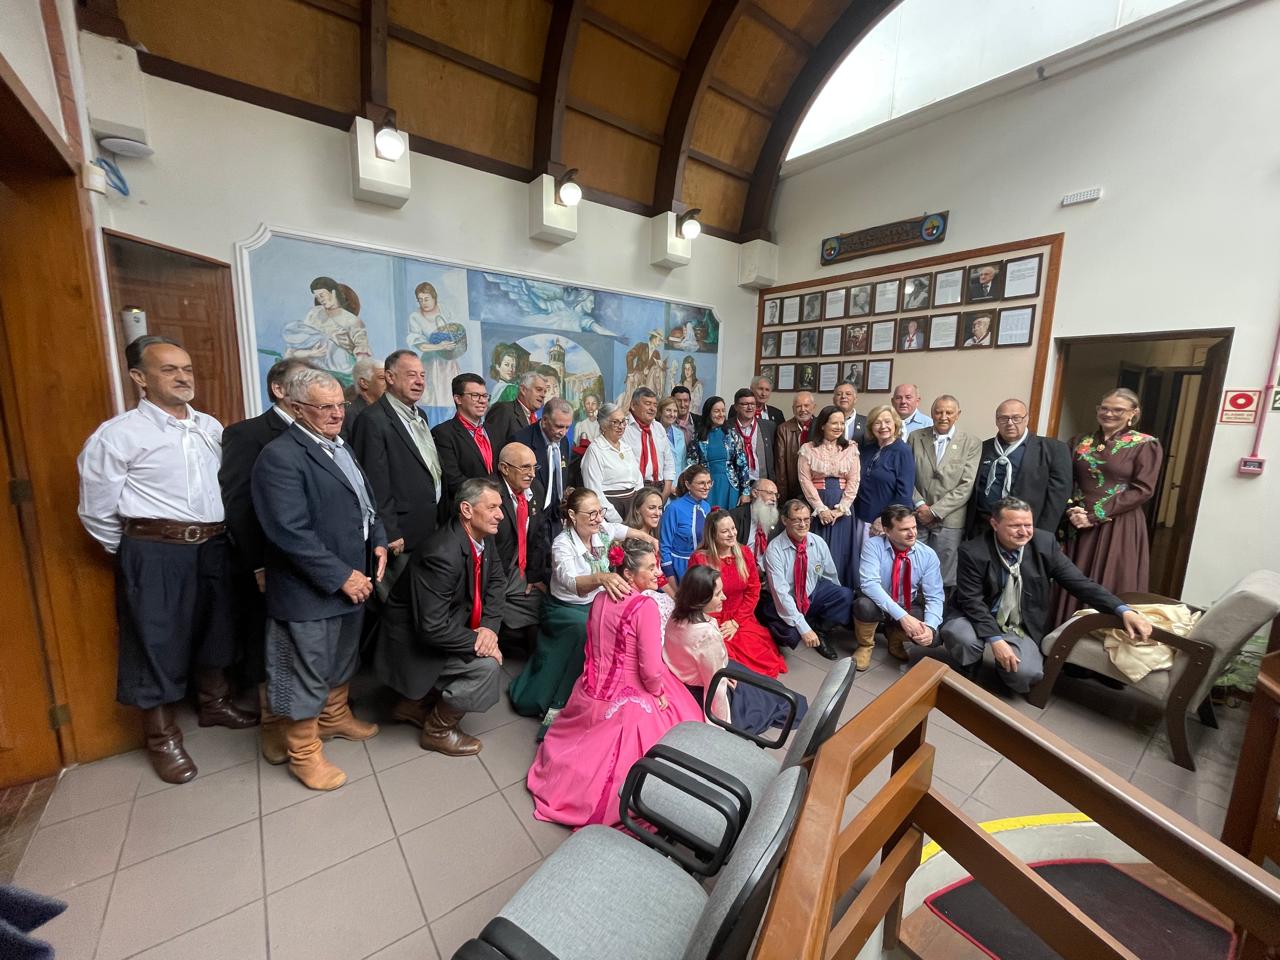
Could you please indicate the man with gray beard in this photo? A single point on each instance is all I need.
(758, 521)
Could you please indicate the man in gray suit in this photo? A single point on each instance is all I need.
(946, 467)
(757, 434)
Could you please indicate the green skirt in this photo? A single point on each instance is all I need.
(558, 658)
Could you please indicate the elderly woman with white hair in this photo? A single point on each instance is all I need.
(610, 467)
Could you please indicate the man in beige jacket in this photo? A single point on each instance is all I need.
(946, 468)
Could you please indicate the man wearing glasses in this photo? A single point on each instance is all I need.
(524, 542)
(1017, 463)
(466, 449)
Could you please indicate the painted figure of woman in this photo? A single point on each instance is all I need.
(439, 343)
(330, 335)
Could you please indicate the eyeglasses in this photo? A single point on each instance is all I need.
(1010, 419)
(476, 396)
(1116, 411)
(325, 407)
(594, 514)
(615, 423)
(521, 467)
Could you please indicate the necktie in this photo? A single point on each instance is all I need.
(648, 452)
(940, 447)
(476, 560)
(761, 541)
(900, 584)
(748, 443)
(804, 432)
(1009, 605)
(522, 528)
(533, 416)
(553, 475)
(482, 441)
(801, 575)
(1002, 460)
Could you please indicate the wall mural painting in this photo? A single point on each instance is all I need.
(334, 304)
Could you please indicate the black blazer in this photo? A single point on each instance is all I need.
(241, 444)
(503, 422)
(1044, 480)
(358, 406)
(426, 618)
(537, 548)
(774, 414)
(859, 435)
(405, 490)
(1043, 564)
(533, 438)
(742, 522)
(459, 456)
(314, 529)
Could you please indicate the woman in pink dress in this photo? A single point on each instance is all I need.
(625, 700)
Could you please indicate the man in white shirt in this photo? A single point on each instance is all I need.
(946, 467)
(149, 494)
(906, 400)
(803, 587)
(648, 441)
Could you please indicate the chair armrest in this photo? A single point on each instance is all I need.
(709, 772)
(741, 675)
(503, 940)
(1138, 597)
(689, 859)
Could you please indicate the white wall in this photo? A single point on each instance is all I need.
(222, 167)
(1180, 134)
(25, 46)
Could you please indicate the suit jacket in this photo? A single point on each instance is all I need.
(459, 456)
(1044, 481)
(533, 438)
(427, 615)
(503, 422)
(975, 294)
(537, 548)
(858, 434)
(742, 522)
(405, 489)
(946, 488)
(241, 444)
(978, 584)
(786, 453)
(358, 406)
(768, 432)
(774, 414)
(314, 528)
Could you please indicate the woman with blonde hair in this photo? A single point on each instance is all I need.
(888, 477)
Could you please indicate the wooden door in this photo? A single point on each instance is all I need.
(188, 299)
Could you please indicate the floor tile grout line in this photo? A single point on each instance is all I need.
(520, 820)
(425, 926)
(181, 846)
(199, 926)
(488, 889)
(262, 858)
(111, 889)
(413, 881)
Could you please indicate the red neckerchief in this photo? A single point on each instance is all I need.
(748, 441)
(481, 438)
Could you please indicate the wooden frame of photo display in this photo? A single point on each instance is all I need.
(954, 310)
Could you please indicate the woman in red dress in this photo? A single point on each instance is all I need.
(747, 641)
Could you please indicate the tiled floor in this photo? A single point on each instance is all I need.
(418, 851)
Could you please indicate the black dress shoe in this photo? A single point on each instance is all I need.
(826, 650)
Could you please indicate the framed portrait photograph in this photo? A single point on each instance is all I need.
(911, 334)
(772, 313)
(831, 341)
(791, 310)
(812, 308)
(854, 371)
(769, 345)
(1022, 277)
(806, 376)
(883, 334)
(856, 337)
(834, 306)
(985, 282)
(879, 376)
(887, 296)
(943, 330)
(808, 343)
(1015, 326)
(860, 300)
(977, 329)
(787, 343)
(786, 376)
(828, 376)
(948, 287)
(915, 292)
(769, 371)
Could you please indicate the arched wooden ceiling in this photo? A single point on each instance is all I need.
(660, 104)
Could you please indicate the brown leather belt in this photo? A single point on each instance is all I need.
(172, 531)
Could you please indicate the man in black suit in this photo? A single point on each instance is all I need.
(326, 549)
(1017, 463)
(547, 440)
(507, 419)
(757, 435)
(524, 541)
(845, 397)
(394, 445)
(438, 636)
(369, 382)
(984, 283)
(762, 388)
(463, 443)
(1002, 596)
(758, 522)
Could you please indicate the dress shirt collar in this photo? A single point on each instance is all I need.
(476, 545)
(159, 417)
(402, 408)
(512, 495)
(324, 442)
(283, 414)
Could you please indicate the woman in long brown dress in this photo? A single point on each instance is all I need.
(1116, 468)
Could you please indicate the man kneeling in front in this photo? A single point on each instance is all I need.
(438, 637)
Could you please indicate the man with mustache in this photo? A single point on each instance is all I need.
(758, 522)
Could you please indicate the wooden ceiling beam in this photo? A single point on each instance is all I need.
(453, 55)
(738, 173)
(742, 99)
(557, 64)
(631, 38)
(340, 8)
(581, 106)
(717, 23)
(774, 25)
(852, 25)
(373, 53)
(103, 18)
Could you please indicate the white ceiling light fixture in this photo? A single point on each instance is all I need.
(389, 143)
(380, 162)
(568, 193)
(687, 224)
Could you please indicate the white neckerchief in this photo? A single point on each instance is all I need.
(1002, 456)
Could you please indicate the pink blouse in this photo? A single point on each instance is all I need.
(815, 464)
(694, 652)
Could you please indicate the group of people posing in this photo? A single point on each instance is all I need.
(630, 566)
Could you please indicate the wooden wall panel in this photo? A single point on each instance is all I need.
(621, 79)
(719, 195)
(671, 24)
(809, 18)
(758, 62)
(280, 45)
(608, 158)
(508, 33)
(728, 131)
(440, 100)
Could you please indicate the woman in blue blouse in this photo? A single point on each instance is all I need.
(888, 476)
(680, 531)
(720, 451)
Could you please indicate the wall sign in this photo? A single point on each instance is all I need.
(921, 231)
(1240, 406)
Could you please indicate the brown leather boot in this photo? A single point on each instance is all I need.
(337, 720)
(866, 634)
(168, 757)
(897, 642)
(274, 748)
(217, 709)
(415, 712)
(307, 761)
(440, 733)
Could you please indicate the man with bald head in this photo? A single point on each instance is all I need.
(946, 465)
(1017, 463)
(791, 436)
(906, 400)
(845, 398)
(524, 540)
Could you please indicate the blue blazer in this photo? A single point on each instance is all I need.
(315, 532)
(533, 438)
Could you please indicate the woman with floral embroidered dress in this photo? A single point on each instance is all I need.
(1116, 468)
(624, 701)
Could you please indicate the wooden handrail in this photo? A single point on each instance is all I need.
(824, 861)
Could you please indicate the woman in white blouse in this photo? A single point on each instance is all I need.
(579, 571)
(609, 467)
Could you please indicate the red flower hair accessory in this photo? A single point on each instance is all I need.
(616, 556)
